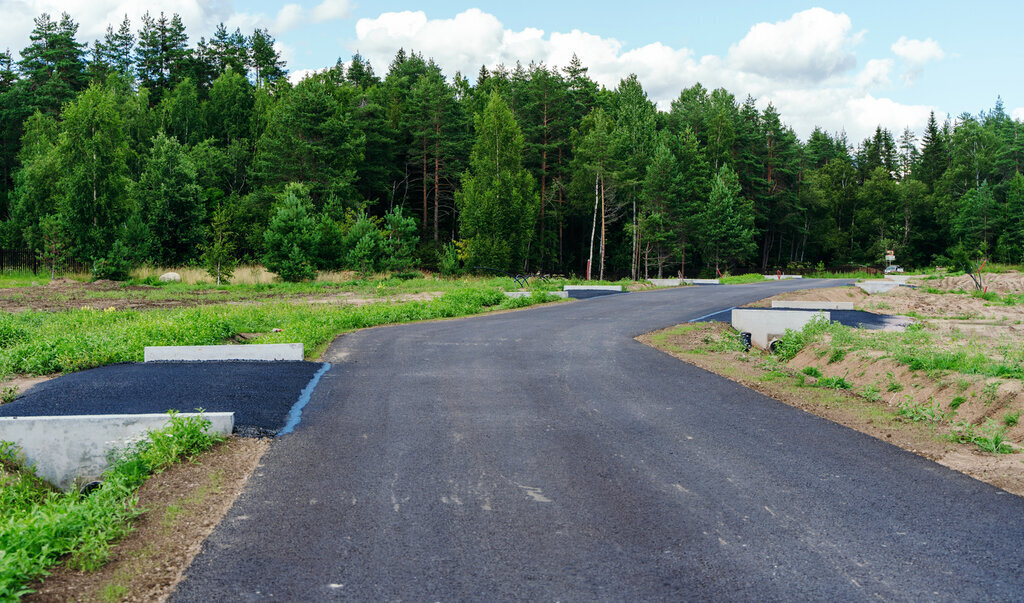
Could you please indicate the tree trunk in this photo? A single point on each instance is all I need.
(424, 184)
(593, 228)
(437, 182)
(602, 229)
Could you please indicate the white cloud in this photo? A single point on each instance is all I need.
(300, 74)
(915, 54)
(288, 18)
(812, 45)
(328, 10)
(804, 65)
(875, 74)
(199, 16)
(1018, 114)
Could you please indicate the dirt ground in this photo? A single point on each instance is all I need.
(956, 319)
(69, 294)
(183, 505)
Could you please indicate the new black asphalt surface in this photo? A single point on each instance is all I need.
(850, 318)
(259, 393)
(546, 455)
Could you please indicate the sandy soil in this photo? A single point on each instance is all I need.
(1002, 283)
(68, 294)
(183, 505)
(877, 419)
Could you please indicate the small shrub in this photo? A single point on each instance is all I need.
(871, 393)
(811, 371)
(920, 412)
(834, 383)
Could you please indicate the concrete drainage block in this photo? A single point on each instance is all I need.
(515, 294)
(585, 291)
(194, 353)
(813, 305)
(766, 326)
(702, 281)
(784, 277)
(665, 282)
(872, 287)
(70, 451)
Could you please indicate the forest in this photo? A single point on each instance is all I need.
(141, 149)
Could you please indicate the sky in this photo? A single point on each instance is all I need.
(843, 66)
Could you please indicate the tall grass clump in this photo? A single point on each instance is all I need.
(742, 279)
(40, 527)
(795, 340)
(52, 342)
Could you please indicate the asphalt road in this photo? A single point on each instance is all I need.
(546, 455)
(259, 393)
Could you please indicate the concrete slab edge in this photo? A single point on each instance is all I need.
(71, 450)
(616, 288)
(199, 353)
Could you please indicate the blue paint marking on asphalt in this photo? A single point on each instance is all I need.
(713, 313)
(295, 414)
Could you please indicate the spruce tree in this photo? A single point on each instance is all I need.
(498, 203)
(290, 241)
(727, 233)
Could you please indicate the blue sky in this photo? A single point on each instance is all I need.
(841, 65)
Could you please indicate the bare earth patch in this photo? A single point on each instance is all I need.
(182, 506)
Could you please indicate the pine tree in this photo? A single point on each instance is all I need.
(218, 258)
(162, 56)
(290, 241)
(53, 64)
(497, 203)
(311, 138)
(264, 61)
(727, 233)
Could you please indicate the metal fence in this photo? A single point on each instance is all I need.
(24, 259)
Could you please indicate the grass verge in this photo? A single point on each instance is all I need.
(40, 527)
(42, 343)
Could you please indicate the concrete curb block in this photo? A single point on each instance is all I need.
(515, 294)
(665, 282)
(702, 281)
(872, 287)
(69, 451)
(193, 353)
(615, 288)
(784, 277)
(766, 325)
(813, 305)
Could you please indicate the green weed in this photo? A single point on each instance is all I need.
(811, 371)
(956, 402)
(871, 393)
(1011, 418)
(9, 394)
(41, 527)
(916, 412)
(991, 438)
(834, 383)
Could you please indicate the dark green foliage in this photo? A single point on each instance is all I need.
(290, 239)
(311, 138)
(218, 258)
(587, 173)
(498, 203)
(400, 240)
(171, 203)
(116, 265)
